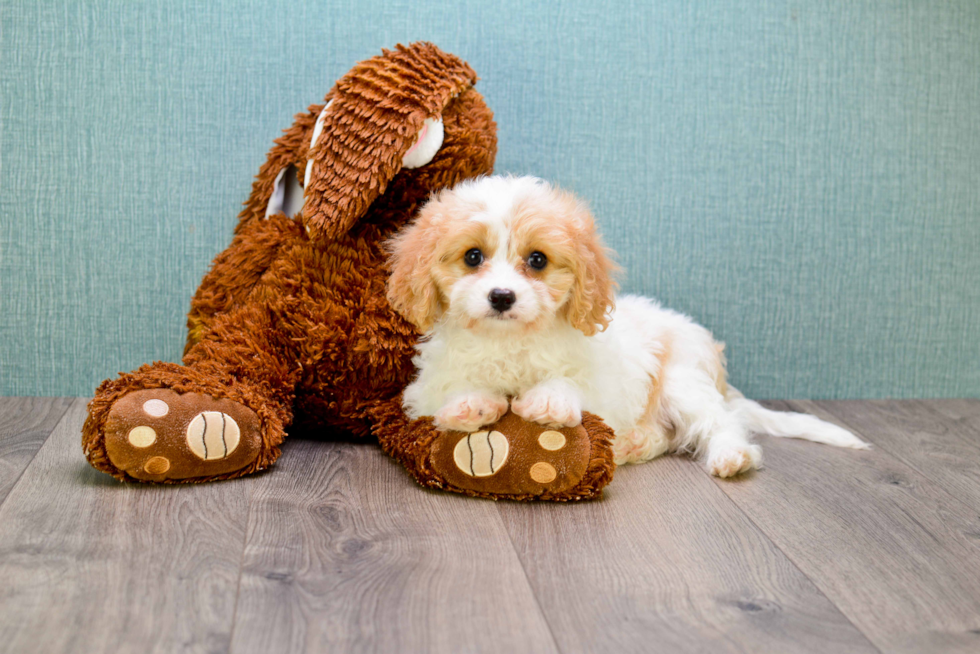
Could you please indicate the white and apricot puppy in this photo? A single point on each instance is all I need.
(511, 286)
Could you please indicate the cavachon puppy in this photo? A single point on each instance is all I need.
(512, 287)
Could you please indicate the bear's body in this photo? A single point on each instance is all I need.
(291, 325)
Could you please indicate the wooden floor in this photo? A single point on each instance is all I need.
(336, 549)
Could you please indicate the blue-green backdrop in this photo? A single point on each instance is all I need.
(802, 177)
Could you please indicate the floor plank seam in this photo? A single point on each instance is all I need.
(793, 562)
(911, 466)
(903, 486)
(241, 569)
(934, 412)
(527, 578)
(57, 424)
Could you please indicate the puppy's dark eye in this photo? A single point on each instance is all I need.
(537, 260)
(473, 258)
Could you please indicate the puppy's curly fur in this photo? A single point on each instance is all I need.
(510, 281)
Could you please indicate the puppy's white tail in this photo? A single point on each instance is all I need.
(790, 425)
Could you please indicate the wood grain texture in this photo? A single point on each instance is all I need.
(891, 549)
(89, 564)
(940, 439)
(25, 423)
(824, 550)
(963, 410)
(346, 553)
(667, 563)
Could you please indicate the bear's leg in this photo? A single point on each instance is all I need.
(223, 414)
(510, 459)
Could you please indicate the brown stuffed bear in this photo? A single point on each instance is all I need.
(291, 327)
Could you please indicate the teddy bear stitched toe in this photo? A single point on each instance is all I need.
(514, 458)
(159, 435)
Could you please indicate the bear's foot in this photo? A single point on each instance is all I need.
(517, 459)
(159, 434)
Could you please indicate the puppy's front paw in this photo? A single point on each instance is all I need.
(733, 460)
(470, 411)
(549, 406)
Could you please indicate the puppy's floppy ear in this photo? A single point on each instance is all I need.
(384, 115)
(593, 291)
(412, 289)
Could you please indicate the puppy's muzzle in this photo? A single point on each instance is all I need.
(502, 299)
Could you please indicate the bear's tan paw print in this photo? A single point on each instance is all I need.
(158, 434)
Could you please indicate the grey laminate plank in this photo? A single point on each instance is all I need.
(666, 563)
(879, 539)
(965, 410)
(346, 553)
(92, 565)
(25, 423)
(938, 438)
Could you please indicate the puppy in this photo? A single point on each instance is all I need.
(511, 286)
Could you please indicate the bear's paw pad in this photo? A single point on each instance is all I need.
(158, 434)
(513, 457)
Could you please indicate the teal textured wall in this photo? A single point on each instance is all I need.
(802, 177)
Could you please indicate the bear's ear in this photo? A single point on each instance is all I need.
(384, 115)
(287, 194)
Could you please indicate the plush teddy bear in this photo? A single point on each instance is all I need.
(291, 328)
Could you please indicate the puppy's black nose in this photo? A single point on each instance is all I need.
(502, 299)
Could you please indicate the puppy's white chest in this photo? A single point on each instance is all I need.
(506, 363)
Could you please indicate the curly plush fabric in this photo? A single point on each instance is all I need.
(291, 322)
